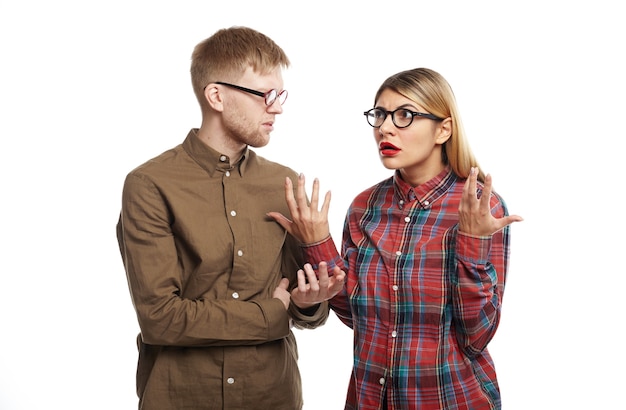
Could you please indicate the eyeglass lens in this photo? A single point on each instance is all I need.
(271, 96)
(401, 117)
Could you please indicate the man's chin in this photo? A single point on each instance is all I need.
(260, 143)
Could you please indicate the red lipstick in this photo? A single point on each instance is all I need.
(388, 149)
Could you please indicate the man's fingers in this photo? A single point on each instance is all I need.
(302, 285)
(339, 274)
(284, 283)
(310, 282)
(312, 290)
(339, 277)
(323, 275)
(312, 278)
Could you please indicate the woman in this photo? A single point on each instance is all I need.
(425, 254)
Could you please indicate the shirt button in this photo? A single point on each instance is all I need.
(227, 173)
(381, 380)
(223, 158)
(230, 380)
(240, 252)
(426, 203)
(395, 287)
(233, 213)
(398, 253)
(235, 295)
(407, 219)
(394, 334)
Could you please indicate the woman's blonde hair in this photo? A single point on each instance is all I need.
(229, 52)
(430, 90)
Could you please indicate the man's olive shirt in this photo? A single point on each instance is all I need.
(202, 260)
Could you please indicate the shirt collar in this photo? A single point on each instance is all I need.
(425, 193)
(210, 159)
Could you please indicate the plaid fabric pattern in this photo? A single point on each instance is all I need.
(423, 299)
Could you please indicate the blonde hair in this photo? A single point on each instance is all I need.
(430, 90)
(227, 54)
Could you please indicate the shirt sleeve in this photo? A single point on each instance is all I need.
(156, 281)
(326, 251)
(478, 285)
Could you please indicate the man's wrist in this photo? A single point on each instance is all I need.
(309, 309)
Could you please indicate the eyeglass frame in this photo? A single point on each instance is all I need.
(259, 93)
(393, 116)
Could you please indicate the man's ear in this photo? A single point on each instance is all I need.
(213, 97)
(444, 130)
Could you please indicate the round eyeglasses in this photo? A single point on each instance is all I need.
(270, 97)
(401, 117)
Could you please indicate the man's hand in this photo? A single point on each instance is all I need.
(281, 292)
(312, 289)
(475, 216)
(309, 224)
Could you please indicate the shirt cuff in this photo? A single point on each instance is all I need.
(322, 251)
(473, 248)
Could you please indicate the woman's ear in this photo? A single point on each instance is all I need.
(213, 97)
(444, 130)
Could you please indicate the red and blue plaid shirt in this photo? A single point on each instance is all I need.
(423, 299)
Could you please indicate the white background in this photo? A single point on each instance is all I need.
(89, 90)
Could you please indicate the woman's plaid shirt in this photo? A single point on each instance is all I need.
(423, 299)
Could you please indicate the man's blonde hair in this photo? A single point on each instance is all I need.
(228, 53)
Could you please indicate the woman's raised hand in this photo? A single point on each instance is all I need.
(475, 216)
(308, 223)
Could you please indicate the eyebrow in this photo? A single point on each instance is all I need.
(407, 106)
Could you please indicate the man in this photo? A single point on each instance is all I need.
(209, 273)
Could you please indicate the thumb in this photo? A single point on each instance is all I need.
(284, 283)
(507, 220)
(281, 219)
